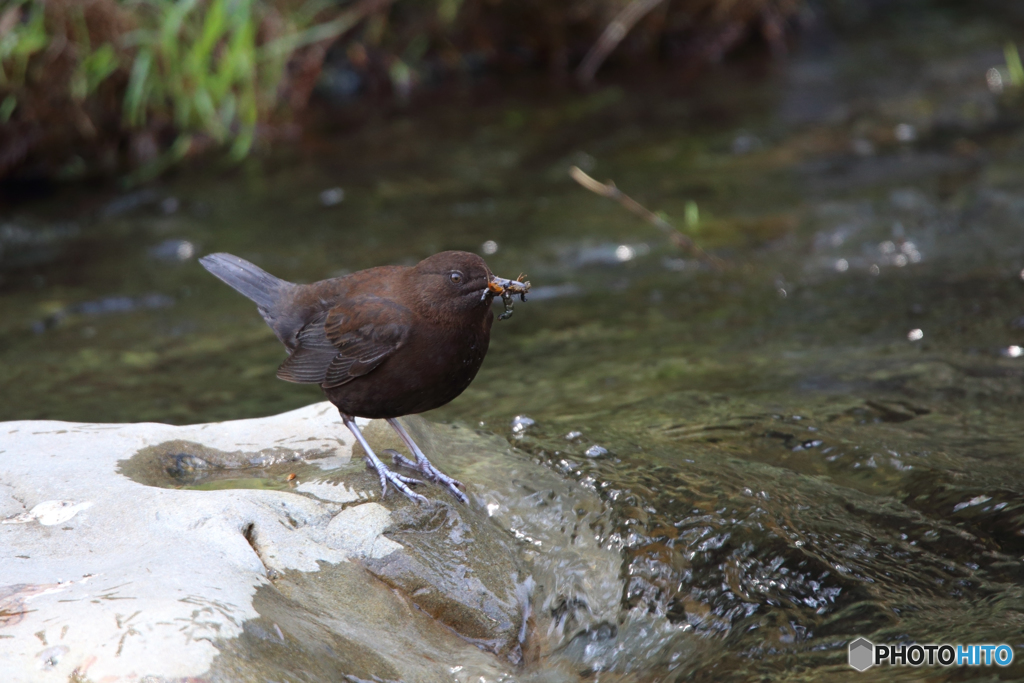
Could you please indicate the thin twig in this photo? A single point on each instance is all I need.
(611, 192)
(612, 35)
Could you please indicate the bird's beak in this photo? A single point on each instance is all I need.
(499, 286)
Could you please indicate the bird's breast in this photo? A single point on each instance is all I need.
(432, 367)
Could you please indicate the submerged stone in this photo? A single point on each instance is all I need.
(454, 563)
(455, 568)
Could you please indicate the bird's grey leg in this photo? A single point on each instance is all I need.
(383, 472)
(424, 465)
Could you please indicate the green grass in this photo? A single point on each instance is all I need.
(204, 69)
(199, 67)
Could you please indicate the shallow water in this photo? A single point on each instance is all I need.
(820, 441)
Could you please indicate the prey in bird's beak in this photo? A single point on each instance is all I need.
(506, 289)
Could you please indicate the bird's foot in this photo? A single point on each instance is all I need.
(428, 470)
(453, 485)
(400, 460)
(399, 481)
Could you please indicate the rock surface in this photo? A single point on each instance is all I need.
(156, 553)
(110, 570)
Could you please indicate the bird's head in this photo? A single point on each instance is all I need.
(460, 283)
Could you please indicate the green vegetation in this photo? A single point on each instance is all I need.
(172, 75)
(1014, 66)
(110, 85)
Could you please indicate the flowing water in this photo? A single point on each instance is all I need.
(820, 440)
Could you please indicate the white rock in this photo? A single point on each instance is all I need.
(333, 492)
(49, 513)
(370, 519)
(115, 580)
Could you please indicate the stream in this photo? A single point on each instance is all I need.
(819, 440)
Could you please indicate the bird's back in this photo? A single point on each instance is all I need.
(288, 307)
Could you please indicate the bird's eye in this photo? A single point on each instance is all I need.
(456, 278)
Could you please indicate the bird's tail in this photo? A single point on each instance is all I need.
(247, 279)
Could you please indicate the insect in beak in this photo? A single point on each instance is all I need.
(507, 289)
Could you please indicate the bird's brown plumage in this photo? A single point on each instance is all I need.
(383, 342)
(386, 341)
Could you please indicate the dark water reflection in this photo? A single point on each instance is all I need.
(820, 442)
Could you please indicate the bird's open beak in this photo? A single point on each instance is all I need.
(498, 286)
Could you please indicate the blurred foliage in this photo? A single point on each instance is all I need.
(106, 85)
(1014, 66)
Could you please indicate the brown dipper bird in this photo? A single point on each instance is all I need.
(383, 342)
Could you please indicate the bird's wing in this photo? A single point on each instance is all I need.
(346, 342)
(311, 354)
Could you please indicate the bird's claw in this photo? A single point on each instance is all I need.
(453, 485)
(435, 475)
(399, 481)
(400, 460)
